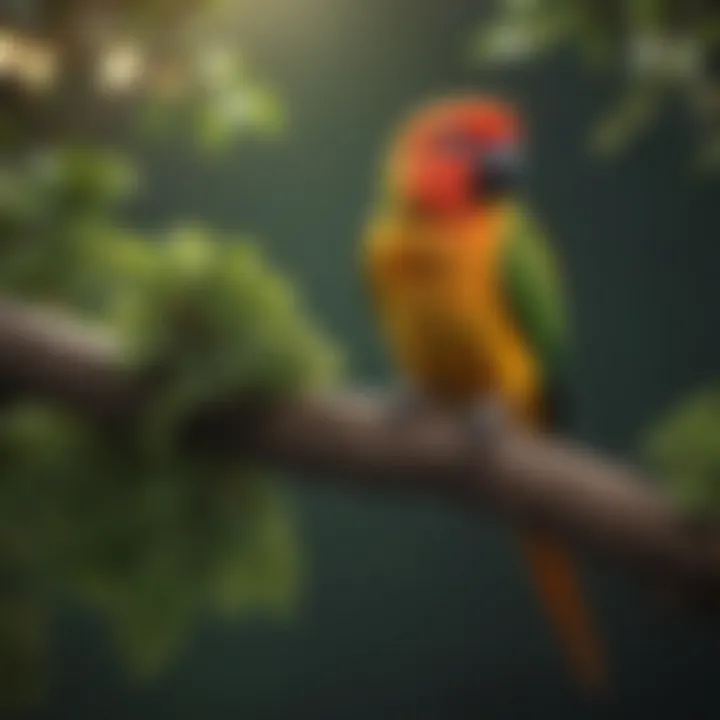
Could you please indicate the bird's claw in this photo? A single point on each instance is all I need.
(487, 421)
(484, 422)
(406, 402)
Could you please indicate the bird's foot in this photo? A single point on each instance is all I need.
(487, 421)
(405, 403)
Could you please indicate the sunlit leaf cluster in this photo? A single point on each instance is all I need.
(665, 51)
(684, 450)
(131, 523)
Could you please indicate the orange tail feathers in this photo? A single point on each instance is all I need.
(557, 582)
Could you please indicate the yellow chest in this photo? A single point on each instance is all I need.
(442, 308)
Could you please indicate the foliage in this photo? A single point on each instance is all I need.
(131, 523)
(684, 449)
(135, 526)
(665, 50)
(87, 69)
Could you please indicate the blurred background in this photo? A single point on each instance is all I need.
(408, 610)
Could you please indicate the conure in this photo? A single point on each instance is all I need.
(469, 296)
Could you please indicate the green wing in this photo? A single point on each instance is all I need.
(534, 292)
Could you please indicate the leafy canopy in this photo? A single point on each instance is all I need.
(662, 51)
(134, 526)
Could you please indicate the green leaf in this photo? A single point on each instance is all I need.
(625, 122)
(683, 448)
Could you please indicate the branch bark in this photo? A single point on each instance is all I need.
(598, 506)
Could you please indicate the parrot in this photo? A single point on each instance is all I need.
(469, 297)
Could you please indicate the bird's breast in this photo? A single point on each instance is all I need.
(435, 313)
(442, 306)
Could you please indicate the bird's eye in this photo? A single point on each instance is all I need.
(502, 156)
(501, 169)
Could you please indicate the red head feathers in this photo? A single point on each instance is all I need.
(456, 154)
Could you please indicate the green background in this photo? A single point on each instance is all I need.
(412, 610)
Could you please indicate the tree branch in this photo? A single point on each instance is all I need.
(598, 506)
